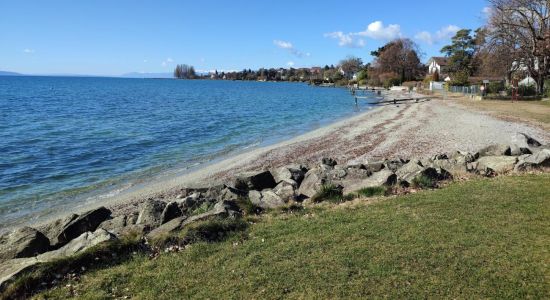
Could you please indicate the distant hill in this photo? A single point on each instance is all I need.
(6, 73)
(147, 75)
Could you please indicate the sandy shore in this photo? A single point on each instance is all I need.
(405, 130)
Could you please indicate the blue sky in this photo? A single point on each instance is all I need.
(104, 37)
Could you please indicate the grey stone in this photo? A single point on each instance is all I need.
(170, 212)
(384, 177)
(114, 223)
(293, 172)
(374, 166)
(285, 190)
(54, 229)
(266, 199)
(10, 269)
(409, 171)
(496, 164)
(495, 150)
(222, 209)
(525, 141)
(255, 181)
(151, 213)
(88, 221)
(394, 164)
(314, 179)
(79, 244)
(231, 194)
(23, 242)
(540, 159)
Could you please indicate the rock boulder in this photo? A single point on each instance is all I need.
(496, 164)
(150, 213)
(23, 242)
(255, 181)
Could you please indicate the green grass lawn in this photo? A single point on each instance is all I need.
(477, 239)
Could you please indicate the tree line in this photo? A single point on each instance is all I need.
(514, 42)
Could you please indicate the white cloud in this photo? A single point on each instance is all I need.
(283, 44)
(440, 35)
(290, 64)
(144, 60)
(28, 51)
(375, 30)
(290, 48)
(344, 39)
(169, 60)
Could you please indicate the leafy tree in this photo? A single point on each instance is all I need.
(461, 52)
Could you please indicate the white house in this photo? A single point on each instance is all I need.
(438, 64)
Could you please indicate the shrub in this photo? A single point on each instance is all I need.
(460, 78)
(247, 207)
(330, 193)
(524, 90)
(495, 87)
(423, 181)
(372, 191)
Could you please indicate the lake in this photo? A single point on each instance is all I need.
(67, 140)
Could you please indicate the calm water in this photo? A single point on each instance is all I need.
(64, 141)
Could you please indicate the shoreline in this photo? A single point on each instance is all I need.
(171, 181)
(407, 130)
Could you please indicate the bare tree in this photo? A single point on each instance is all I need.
(399, 57)
(521, 27)
(351, 65)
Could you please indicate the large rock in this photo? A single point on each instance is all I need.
(79, 244)
(374, 166)
(312, 183)
(10, 269)
(290, 173)
(255, 181)
(384, 177)
(171, 211)
(496, 164)
(222, 209)
(394, 164)
(151, 213)
(266, 199)
(409, 171)
(54, 229)
(525, 141)
(285, 190)
(114, 223)
(538, 160)
(23, 242)
(88, 221)
(495, 150)
(456, 163)
(231, 194)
